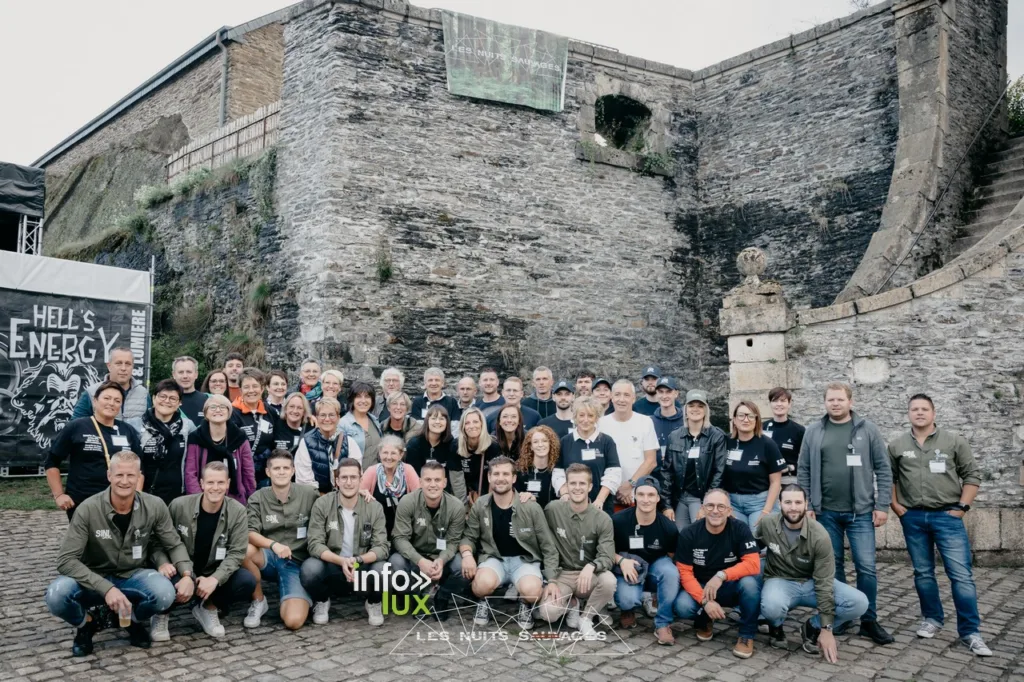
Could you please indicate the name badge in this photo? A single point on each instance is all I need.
(295, 441)
(735, 455)
(119, 440)
(136, 551)
(693, 453)
(636, 542)
(423, 413)
(300, 533)
(533, 486)
(853, 461)
(582, 557)
(441, 544)
(264, 426)
(589, 454)
(937, 467)
(663, 448)
(221, 553)
(767, 433)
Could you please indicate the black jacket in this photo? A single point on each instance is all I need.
(710, 464)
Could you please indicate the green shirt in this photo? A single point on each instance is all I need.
(581, 538)
(418, 534)
(932, 476)
(231, 536)
(810, 557)
(836, 485)
(285, 522)
(327, 527)
(529, 527)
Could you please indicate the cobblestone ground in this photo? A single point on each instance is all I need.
(36, 646)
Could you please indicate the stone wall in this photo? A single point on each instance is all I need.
(254, 70)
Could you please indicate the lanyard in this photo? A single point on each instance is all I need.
(103, 441)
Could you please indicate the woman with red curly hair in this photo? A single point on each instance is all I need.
(538, 457)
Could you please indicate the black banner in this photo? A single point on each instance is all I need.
(51, 349)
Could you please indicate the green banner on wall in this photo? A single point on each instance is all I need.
(504, 63)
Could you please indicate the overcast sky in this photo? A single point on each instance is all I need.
(68, 60)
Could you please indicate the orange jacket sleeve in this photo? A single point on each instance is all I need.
(750, 564)
(689, 582)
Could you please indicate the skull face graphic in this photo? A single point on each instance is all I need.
(47, 395)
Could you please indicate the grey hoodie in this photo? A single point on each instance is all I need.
(869, 445)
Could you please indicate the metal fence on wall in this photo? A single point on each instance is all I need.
(238, 139)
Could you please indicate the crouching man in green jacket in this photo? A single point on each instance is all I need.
(104, 560)
(215, 531)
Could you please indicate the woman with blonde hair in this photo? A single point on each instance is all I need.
(753, 466)
(296, 419)
(538, 458)
(322, 448)
(219, 440)
(332, 381)
(475, 449)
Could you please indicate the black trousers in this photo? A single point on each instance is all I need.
(323, 580)
(238, 588)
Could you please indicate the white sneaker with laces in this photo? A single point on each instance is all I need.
(586, 628)
(322, 612)
(648, 604)
(928, 629)
(376, 616)
(572, 614)
(158, 631)
(256, 611)
(483, 614)
(525, 617)
(977, 645)
(208, 620)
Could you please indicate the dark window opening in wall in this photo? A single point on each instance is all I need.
(622, 122)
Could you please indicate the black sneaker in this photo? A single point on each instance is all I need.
(83, 636)
(777, 637)
(138, 635)
(875, 632)
(810, 637)
(842, 629)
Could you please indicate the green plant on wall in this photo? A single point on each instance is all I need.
(1015, 106)
(385, 268)
(259, 302)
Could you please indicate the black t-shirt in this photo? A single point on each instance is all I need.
(123, 521)
(474, 468)
(561, 427)
(599, 454)
(79, 443)
(537, 483)
(259, 431)
(206, 528)
(659, 538)
(789, 436)
(287, 438)
(419, 450)
(708, 554)
(501, 525)
(748, 464)
(421, 404)
(192, 405)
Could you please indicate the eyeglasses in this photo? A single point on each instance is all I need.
(743, 417)
(169, 398)
(218, 408)
(719, 507)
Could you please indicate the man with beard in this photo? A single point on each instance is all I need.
(585, 382)
(561, 421)
(489, 384)
(512, 537)
(541, 400)
(512, 393)
(163, 435)
(234, 363)
(119, 368)
(800, 571)
(648, 403)
(47, 396)
(185, 371)
(215, 532)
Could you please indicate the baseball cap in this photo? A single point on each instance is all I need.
(651, 371)
(697, 396)
(601, 380)
(563, 386)
(649, 481)
(668, 382)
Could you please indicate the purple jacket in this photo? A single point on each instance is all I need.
(195, 460)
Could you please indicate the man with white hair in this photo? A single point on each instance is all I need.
(392, 381)
(635, 439)
(433, 394)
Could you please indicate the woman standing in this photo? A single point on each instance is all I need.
(509, 432)
(434, 441)
(218, 440)
(537, 461)
(277, 390)
(753, 466)
(250, 414)
(331, 383)
(360, 425)
(389, 480)
(216, 383)
(475, 448)
(321, 448)
(397, 421)
(87, 443)
(693, 462)
(296, 419)
(163, 434)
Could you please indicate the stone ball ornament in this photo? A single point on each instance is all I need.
(751, 262)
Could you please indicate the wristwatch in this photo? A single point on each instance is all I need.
(720, 575)
(827, 627)
(963, 507)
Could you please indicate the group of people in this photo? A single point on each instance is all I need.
(576, 499)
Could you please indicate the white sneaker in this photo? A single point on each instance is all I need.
(649, 608)
(209, 620)
(586, 628)
(158, 627)
(525, 617)
(512, 593)
(928, 629)
(256, 611)
(572, 614)
(376, 616)
(977, 645)
(483, 614)
(322, 612)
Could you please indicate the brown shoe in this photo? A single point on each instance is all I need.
(664, 636)
(705, 631)
(627, 620)
(744, 648)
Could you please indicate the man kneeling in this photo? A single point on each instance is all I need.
(513, 537)
(348, 539)
(103, 559)
(214, 530)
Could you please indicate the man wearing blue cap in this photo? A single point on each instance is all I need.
(644, 544)
(561, 421)
(648, 403)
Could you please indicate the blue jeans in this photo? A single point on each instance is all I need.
(861, 531)
(287, 574)
(149, 592)
(925, 530)
(778, 596)
(663, 577)
(687, 510)
(745, 593)
(749, 507)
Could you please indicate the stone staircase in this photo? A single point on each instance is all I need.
(999, 189)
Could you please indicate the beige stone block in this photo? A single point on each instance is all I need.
(983, 529)
(883, 300)
(870, 370)
(754, 320)
(758, 397)
(1015, 240)
(753, 376)
(894, 533)
(939, 279)
(994, 271)
(981, 260)
(827, 314)
(757, 348)
(1011, 529)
